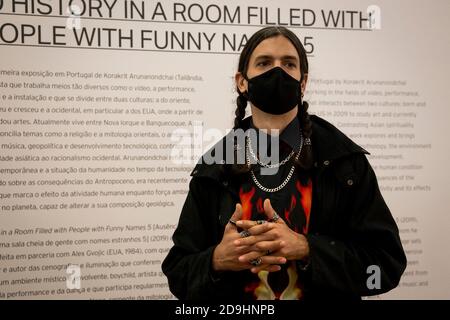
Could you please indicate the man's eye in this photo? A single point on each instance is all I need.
(291, 65)
(262, 64)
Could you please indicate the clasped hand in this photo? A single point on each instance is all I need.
(271, 244)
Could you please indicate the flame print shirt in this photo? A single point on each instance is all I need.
(293, 205)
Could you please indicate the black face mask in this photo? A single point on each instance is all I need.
(274, 91)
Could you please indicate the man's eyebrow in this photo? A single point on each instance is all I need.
(264, 56)
(287, 57)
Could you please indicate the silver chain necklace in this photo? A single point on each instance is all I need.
(265, 165)
(289, 176)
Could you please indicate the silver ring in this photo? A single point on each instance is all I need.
(307, 141)
(275, 217)
(244, 234)
(256, 262)
(260, 221)
(232, 222)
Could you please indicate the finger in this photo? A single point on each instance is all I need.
(279, 252)
(270, 212)
(248, 257)
(251, 240)
(273, 260)
(243, 250)
(247, 224)
(253, 227)
(237, 215)
(268, 247)
(267, 267)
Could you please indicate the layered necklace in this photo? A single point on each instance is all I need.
(251, 153)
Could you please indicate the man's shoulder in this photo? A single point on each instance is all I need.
(212, 161)
(331, 143)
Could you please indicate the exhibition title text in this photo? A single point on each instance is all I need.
(166, 26)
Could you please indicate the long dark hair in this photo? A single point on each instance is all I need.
(305, 160)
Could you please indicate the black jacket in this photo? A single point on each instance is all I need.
(351, 228)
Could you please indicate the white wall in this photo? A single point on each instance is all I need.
(86, 177)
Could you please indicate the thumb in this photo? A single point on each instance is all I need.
(269, 211)
(237, 215)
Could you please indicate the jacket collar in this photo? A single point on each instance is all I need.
(328, 143)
